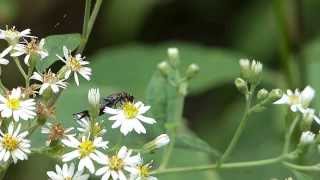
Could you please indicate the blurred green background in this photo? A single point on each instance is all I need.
(131, 36)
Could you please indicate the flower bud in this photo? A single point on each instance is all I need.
(250, 71)
(157, 143)
(173, 54)
(275, 94)
(244, 68)
(192, 70)
(262, 94)
(241, 85)
(307, 137)
(308, 116)
(94, 101)
(183, 88)
(164, 68)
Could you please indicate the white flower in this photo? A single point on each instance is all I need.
(3, 54)
(86, 151)
(298, 101)
(13, 144)
(49, 79)
(117, 164)
(67, 173)
(85, 127)
(307, 137)
(17, 107)
(29, 49)
(12, 35)
(309, 115)
(76, 65)
(142, 171)
(56, 132)
(129, 117)
(94, 97)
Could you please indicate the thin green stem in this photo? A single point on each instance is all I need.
(16, 60)
(240, 128)
(288, 136)
(87, 12)
(302, 167)
(279, 10)
(222, 166)
(88, 23)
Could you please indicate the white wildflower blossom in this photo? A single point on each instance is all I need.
(13, 144)
(116, 165)
(49, 80)
(161, 140)
(15, 106)
(129, 117)
(307, 137)
(86, 129)
(67, 173)
(298, 101)
(75, 64)
(5, 52)
(56, 132)
(12, 35)
(30, 48)
(94, 97)
(86, 151)
(142, 171)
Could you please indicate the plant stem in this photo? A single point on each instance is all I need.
(279, 10)
(240, 128)
(178, 104)
(16, 60)
(302, 167)
(89, 22)
(222, 166)
(287, 143)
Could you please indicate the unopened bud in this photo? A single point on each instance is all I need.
(262, 94)
(307, 137)
(241, 85)
(157, 143)
(164, 68)
(173, 54)
(192, 70)
(251, 71)
(244, 68)
(275, 94)
(94, 101)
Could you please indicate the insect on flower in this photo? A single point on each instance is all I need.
(112, 100)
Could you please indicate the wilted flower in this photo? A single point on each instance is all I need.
(142, 171)
(76, 65)
(12, 35)
(56, 132)
(30, 48)
(49, 79)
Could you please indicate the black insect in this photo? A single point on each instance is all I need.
(113, 100)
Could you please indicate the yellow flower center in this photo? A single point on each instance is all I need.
(86, 147)
(294, 99)
(13, 103)
(9, 142)
(116, 163)
(96, 129)
(74, 64)
(130, 111)
(144, 170)
(68, 178)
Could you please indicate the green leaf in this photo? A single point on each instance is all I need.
(193, 142)
(54, 46)
(130, 67)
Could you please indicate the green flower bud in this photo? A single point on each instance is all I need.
(173, 55)
(262, 94)
(164, 68)
(192, 70)
(251, 71)
(241, 85)
(275, 94)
